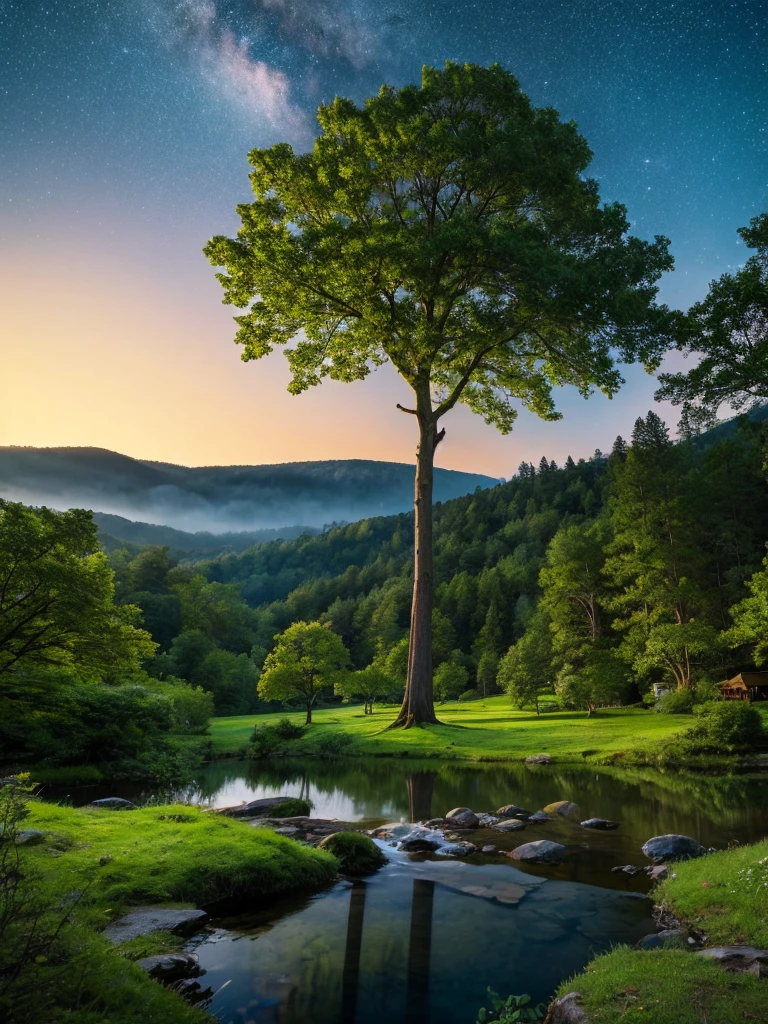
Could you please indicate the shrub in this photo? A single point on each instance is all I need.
(356, 854)
(512, 1009)
(288, 730)
(264, 741)
(469, 695)
(676, 702)
(729, 724)
(330, 744)
(292, 808)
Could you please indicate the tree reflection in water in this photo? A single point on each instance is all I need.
(421, 788)
(351, 976)
(419, 952)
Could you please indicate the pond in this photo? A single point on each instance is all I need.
(423, 938)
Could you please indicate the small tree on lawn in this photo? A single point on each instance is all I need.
(369, 684)
(451, 680)
(302, 664)
(449, 229)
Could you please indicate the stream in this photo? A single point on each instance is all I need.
(423, 938)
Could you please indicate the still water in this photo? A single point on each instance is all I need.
(423, 938)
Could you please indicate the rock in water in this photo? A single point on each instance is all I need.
(462, 817)
(539, 759)
(672, 847)
(145, 920)
(538, 818)
(565, 808)
(601, 824)
(510, 825)
(543, 851)
(357, 854)
(255, 808)
(114, 803)
(658, 872)
(171, 966)
(513, 811)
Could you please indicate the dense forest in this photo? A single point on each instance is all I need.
(601, 577)
(589, 582)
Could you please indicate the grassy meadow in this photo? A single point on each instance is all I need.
(480, 730)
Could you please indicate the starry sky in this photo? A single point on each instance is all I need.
(124, 129)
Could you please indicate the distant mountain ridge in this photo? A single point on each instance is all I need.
(217, 499)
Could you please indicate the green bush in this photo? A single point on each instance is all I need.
(329, 745)
(357, 854)
(729, 724)
(469, 695)
(512, 1010)
(676, 702)
(288, 730)
(293, 808)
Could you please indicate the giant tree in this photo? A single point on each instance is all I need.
(728, 330)
(447, 228)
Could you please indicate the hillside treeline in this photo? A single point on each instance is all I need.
(596, 578)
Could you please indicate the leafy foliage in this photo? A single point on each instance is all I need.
(303, 663)
(511, 1010)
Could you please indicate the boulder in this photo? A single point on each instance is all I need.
(658, 873)
(171, 966)
(462, 817)
(145, 920)
(255, 808)
(488, 848)
(357, 854)
(510, 825)
(539, 759)
(513, 811)
(565, 808)
(627, 869)
(114, 803)
(543, 851)
(30, 837)
(538, 818)
(739, 959)
(566, 1010)
(672, 847)
(601, 824)
(435, 823)
(489, 820)
(418, 845)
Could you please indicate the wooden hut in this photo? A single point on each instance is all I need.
(749, 686)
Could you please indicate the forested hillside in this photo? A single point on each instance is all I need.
(601, 576)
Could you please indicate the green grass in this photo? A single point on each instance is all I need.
(480, 730)
(665, 986)
(111, 860)
(170, 854)
(724, 895)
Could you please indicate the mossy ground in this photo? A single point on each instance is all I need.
(724, 895)
(170, 854)
(665, 986)
(481, 730)
(103, 862)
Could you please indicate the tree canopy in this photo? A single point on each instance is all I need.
(728, 330)
(56, 597)
(304, 660)
(449, 229)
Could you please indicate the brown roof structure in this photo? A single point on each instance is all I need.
(746, 686)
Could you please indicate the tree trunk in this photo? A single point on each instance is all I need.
(309, 714)
(418, 704)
